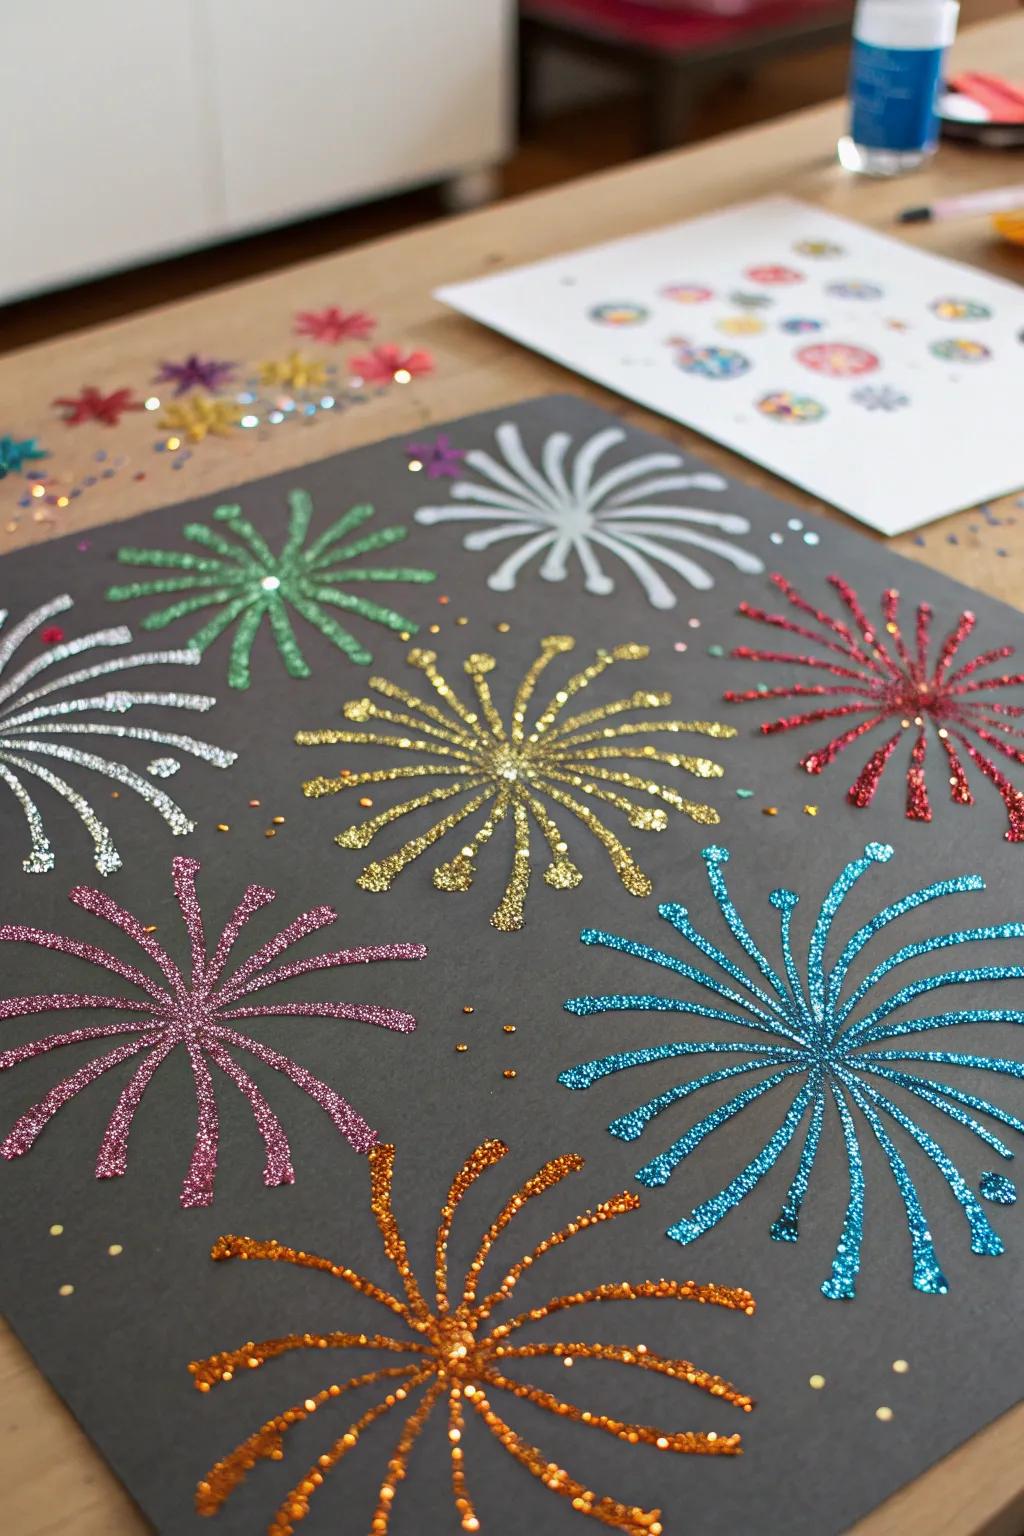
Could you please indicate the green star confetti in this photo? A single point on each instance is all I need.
(242, 577)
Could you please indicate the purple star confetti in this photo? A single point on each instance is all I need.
(438, 460)
(195, 373)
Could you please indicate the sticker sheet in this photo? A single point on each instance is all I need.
(545, 1052)
(881, 378)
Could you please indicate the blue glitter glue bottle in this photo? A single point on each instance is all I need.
(895, 73)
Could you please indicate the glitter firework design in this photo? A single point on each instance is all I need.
(566, 507)
(878, 679)
(43, 712)
(246, 582)
(843, 1056)
(197, 1012)
(512, 770)
(455, 1352)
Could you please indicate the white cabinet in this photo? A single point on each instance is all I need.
(130, 129)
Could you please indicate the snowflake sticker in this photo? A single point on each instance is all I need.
(855, 288)
(880, 397)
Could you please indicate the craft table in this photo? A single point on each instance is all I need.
(53, 1480)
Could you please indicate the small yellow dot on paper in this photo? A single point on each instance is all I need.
(56, 1230)
(816, 1381)
(884, 1414)
(901, 1367)
(115, 1249)
(66, 1290)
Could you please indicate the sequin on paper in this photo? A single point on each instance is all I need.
(453, 1355)
(564, 508)
(242, 578)
(877, 677)
(196, 1010)
(513, 769)
(831, 1056)
(43, 715)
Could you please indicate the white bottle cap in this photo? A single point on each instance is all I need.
(906, 23)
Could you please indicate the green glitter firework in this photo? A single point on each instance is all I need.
(245, 580)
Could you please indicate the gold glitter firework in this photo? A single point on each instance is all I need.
(457, 1353)
(509, 771)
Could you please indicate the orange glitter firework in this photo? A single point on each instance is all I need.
(454, 1355)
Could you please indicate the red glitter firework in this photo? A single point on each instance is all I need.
(880, 678)
(195, 1011)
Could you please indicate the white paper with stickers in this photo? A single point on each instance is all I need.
(885, 380)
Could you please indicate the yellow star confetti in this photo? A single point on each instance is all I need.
(456, 1352)
(513, 768)
(294, 371)
(198, 418)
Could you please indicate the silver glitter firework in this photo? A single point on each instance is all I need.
(44, 714)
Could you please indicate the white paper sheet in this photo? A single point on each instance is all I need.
(906, 371)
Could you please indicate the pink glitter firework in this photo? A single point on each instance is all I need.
(196, 1014)
(879, 678)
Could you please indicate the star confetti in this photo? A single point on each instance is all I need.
(15, 453)
(195, 373)
(877, 679)
(439, 460)
(240, 576)
(333, 325)
(513, 769)
(196, 1011)
(93, 405)
(294, 372)
(453, 1353)
(44, 714)
(199, 418)
(390, 364)
(834, 1058)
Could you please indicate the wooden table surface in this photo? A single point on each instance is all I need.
(53, 1480)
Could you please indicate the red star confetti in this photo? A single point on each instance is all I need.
(93, 405)
(391, 364)
(332, 324)
(52, 635)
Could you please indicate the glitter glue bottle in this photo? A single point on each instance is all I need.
(895, 72)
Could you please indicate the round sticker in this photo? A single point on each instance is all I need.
(750, 300)
(854, 288)
(783, 405)
(711, 362)
(960, 309)
(799, 325)
(958, 349)
(618, 314)
(773, 275)
(740, 325)
(818, 248)
(837, 359)
(687, 293)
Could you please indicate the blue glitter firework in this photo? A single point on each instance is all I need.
(830, 1048)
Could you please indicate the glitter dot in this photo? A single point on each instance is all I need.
(884, 1414)
(503, 628)
(816, 1381)
(510, 1072)
(444, 600)
(66, 1290)
(901, 1367)
(56, 1230)
(435, 629)
(270, 583)
(812, 538)
(173, 442)
(680, 645)
(223, 826)
(415, 465)
(467, 1008)
(462, 1046)
(769, 810)
(152, 404)
(115, 1249)
(39, 490)
(776, 538)
(149, 928)
(462, 621)
(402, 376)
(270, 832)
(810, 810)
(744, 794)
(694, 623)
(278, 821)
(365, 800)
(795, 524)
(254, 802)
(716, 650)
(508, 1029)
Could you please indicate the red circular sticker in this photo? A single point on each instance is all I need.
(774, 274)
(837, 359)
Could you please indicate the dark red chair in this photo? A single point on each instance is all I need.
(676, 53)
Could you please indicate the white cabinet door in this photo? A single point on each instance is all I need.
(328, 102)
(105, 154)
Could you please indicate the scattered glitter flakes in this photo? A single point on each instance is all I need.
(508, 1029)
(461, 1047)
(254, 584)
(816, 1381)
(223, 826)
(65, 1290)
(998, 1188)
(57, 1230)
(901, 1367)
(441, 1337)
(810, 810)
(884, 1414)
(680, 645)
(510, 1072)
(516, 770)
(115, 1250)
(163, 767)
(769, 810)
(503, 627)
(716, 650)
(744, 794)
(197, 1014)
(92, 405)
(35, 724)
(824, 1053)
(468, 1008)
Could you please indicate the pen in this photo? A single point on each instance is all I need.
(995, 200)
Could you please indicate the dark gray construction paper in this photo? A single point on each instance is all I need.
(118, 1348)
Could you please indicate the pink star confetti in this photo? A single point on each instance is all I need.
(333, 325)
(195, 373)
(391, 364)
(195, 1011)
(438, 460)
